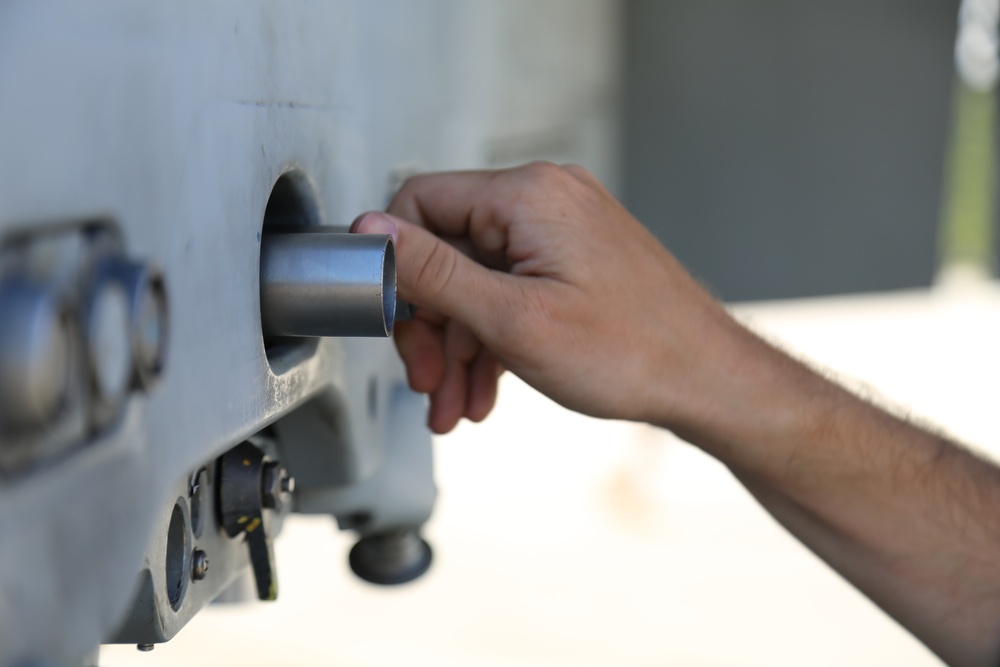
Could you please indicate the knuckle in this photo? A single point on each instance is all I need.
(543, 171)
(580, 173)
(404, 201)
(437, 269)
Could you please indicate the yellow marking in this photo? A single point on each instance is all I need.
(243, 519)
(253, 525)
(246, 462)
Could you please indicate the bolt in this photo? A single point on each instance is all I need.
(145, 648)
(199, 565)
(275, 485)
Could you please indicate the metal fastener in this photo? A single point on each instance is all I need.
(276, 485)
(199, 565)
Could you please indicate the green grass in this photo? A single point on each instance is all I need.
(967, 230)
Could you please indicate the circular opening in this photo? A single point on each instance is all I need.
(176, 557)
(292, 204)
(389, 287)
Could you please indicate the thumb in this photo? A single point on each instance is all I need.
(435, 275)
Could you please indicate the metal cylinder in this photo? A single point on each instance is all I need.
(36, 352)
(317, 282)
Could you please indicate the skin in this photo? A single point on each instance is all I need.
(540, 271)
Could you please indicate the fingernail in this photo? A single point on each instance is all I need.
(376, 223)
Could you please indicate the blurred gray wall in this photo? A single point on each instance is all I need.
(786, 148)
(555, 84)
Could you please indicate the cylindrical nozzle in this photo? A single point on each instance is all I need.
(319, 282)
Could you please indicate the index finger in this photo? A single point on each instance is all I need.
(461, 207)
(444, 203)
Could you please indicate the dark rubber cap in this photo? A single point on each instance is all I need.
(392, 558)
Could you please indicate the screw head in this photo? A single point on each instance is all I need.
(199, 565)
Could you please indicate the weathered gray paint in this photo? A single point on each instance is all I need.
(173, 121)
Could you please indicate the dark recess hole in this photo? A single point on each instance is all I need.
(292, 204)
(176, 557)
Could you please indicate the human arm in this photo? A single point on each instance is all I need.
(556, 282)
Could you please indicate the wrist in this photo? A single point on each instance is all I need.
(751, 405)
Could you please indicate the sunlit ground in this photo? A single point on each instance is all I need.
(562, 540)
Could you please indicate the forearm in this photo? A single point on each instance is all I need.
(905, 515)
(585, 305)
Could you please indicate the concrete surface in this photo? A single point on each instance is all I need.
(562, 540)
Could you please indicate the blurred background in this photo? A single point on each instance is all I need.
(829, 168)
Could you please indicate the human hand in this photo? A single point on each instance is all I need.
(541, 271)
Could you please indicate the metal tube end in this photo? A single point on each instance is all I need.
(319, 282)
(389, 286)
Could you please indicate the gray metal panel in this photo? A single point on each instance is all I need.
(787, 148)
(171, 122)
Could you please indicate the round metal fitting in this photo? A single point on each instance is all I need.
(109, 343)
(319, 282)
(148, 313)
(199, 565)
(36, 354)
(145, 648)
